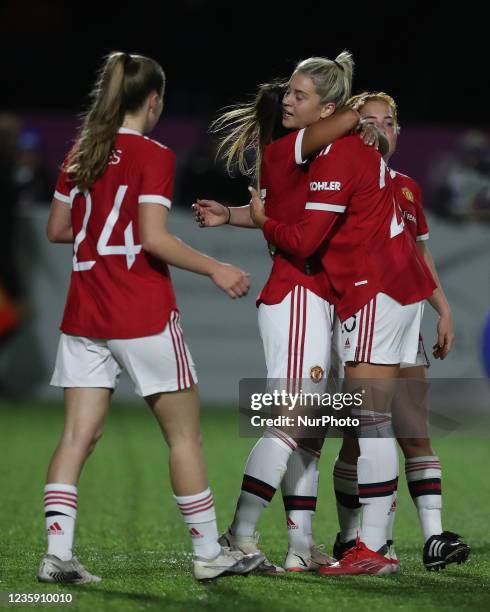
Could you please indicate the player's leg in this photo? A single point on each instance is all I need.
(268, 460)
(163, 372)
(300, 482)
(376, 340)
(178, 415)
(377, 466)
(347, 495)
(423, 471)
(300, 492)
(422, 467)
(345, 468)
(292, 333)
(89, 374)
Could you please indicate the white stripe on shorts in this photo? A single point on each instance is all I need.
(297, 332)
(184, 376)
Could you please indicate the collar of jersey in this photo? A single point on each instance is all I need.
(123, 130)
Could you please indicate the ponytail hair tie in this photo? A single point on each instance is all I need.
(338, 65)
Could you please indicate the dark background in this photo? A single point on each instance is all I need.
(431, 56)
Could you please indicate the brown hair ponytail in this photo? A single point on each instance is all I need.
(249, 127)
(122, 86)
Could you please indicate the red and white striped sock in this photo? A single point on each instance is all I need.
(264, 471)
(377, 474)
(60, 510)
(299, 493)
(347, 496)
(424, 483)
(200, 516)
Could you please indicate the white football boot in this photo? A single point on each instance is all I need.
(249, 545)
(226, 563)
(307, 563)
(53, 569)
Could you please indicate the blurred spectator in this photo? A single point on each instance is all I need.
(461, 180)
(204, 176)
(32, 177)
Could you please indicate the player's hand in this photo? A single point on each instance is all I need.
(445, 337)
(231, 280)
(209, 213)
(369, 134)
(257, 210)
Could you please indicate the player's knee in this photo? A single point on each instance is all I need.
(82, 442)
(95, 438)
(186, 439)
(415, 447)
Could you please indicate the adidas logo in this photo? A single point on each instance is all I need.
(291, 524)
(195, 533)
(347, 343)
(55, 529)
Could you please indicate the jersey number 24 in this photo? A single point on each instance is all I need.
(129, 249)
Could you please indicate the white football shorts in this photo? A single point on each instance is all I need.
(156, 364)
(382, 332)
(297, 337)
(422, 358)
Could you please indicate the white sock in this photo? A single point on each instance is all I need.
(377, 470)
(264, 471)
(60, 510)
(424, 483)
(299, 492)
(199, 514)
(391, 519)
(347, 496)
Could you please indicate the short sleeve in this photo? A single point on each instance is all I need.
(158, 177)
(298, 157)
(63, 188)
(331, 181)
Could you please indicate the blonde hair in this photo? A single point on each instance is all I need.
(247, 128)
(332, 78)
(359, 100)
(123, 84)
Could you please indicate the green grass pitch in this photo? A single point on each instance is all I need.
(130, 532)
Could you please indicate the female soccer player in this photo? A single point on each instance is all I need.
(378, 303)
(111, 201)
(294, 306)
(422, 466)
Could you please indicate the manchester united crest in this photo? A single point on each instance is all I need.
(316, 374)
(408, 194)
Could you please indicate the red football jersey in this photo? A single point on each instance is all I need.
(116, 289)
(352, 215)
(409, 198)
(284, 186)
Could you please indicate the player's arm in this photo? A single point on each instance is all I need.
(59, 227)
(332, 181)
(158, 242)
(209, 213)
(303, 238)
(438, 301)
(324, 132)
